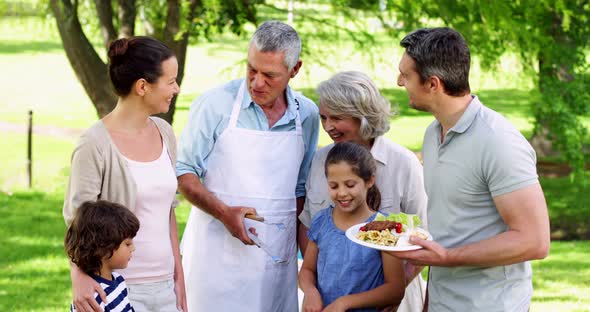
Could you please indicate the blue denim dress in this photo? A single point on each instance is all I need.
(343, 267)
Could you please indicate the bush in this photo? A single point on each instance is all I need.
(20, 8)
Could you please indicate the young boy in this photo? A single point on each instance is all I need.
(100, 240)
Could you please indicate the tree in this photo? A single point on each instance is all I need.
(171, 21)
(176, 22)
(552, 38)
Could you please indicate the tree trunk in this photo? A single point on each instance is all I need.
(127, 14)
(178, 45)
(90, 70)
(554, 65)
(542, 144)
(541, 140)
(104, 10)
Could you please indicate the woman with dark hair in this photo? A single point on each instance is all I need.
(128, 157)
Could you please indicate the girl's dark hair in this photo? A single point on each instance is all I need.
(363, 165)
(131, 59)
(98, 229)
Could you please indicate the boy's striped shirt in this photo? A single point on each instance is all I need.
(116, 290)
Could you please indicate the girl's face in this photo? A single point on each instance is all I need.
(341, 128)
(122, 255)
(164, 89)
(347, 190)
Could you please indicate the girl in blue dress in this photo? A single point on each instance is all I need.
(337, 274)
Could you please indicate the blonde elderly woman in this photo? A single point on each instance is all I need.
(352, 109)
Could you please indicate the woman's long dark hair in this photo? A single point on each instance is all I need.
(363, 164)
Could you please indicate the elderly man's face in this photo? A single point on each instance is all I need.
(267, 75)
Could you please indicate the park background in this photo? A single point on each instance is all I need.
(36, 75)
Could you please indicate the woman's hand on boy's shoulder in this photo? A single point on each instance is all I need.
(312, 302)
(83, 290)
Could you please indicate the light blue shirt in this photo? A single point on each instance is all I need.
(209, 117)
(343, 267)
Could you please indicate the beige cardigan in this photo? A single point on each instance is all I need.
(99, 171)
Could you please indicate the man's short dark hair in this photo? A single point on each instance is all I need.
(98, 229)
(440, 52)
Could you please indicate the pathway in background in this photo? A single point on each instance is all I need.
(545, 168)
(54, 131)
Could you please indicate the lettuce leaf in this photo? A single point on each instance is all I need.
(398, 217)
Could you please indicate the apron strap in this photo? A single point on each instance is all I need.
(298, 128)
(233, 119)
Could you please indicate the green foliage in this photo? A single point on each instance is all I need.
(324, 26)
(212, 17)
(551, 37)
(358, 4)
(152, 16)
(567, 102)
(235, 14)
(569, 208)
(20, 8)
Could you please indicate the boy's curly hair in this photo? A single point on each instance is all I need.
(98, 228)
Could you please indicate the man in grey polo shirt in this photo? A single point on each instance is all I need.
(486, 209)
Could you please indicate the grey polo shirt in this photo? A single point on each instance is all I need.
(482, 156)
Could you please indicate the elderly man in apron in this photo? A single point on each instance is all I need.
(246, 149)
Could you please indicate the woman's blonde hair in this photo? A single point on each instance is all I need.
(352, 93)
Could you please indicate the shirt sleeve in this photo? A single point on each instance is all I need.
(316, 226)
(415, 200)
(316, 188)
(198, 137)
(305, 215)
(509, 163)
(85, 177)
(310, 127)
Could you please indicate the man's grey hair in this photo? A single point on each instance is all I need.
(353, 94)
(275, 36)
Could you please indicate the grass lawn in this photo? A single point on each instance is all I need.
(34, 274)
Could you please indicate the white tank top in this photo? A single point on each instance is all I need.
(152, 260)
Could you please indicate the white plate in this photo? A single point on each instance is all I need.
(353, 230)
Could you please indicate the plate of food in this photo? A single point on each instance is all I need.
(388, 233)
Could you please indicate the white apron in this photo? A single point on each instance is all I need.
(255, 169)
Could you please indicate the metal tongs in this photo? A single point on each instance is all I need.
(280, 226)
(259, 243)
